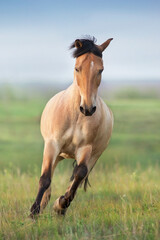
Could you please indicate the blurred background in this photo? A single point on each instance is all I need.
(35, 63)
(36, 35)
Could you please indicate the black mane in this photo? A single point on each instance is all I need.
(88, 45)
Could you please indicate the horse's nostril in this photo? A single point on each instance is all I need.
(81, 109)
(93, 109)
(87, 111)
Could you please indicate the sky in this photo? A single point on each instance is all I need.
(35, 37)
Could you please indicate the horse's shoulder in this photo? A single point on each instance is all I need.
(55, 98)
(105, 107)
(107, 114)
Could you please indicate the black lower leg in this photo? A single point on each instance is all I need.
(79, 174)
(44, 183)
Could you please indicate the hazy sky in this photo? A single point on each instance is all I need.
(35, 36)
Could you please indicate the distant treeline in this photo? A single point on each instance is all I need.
(107, 90)
(134, 93)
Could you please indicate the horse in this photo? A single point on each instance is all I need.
(75, 124)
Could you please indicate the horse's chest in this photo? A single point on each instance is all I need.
(77, 136)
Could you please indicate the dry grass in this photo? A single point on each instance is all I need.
(123, 202)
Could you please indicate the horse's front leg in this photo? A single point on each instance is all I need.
(80, 173)
(47, 194)
(50, 161)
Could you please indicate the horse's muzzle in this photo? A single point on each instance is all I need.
(88, 111)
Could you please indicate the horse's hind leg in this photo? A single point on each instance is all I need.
(79, 175)
(62, 203)
(50, 161)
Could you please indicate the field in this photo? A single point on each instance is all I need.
(123, 201)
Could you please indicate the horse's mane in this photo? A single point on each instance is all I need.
(88, 45)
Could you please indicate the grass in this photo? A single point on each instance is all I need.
(123, 202)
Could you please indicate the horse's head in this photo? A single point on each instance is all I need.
(88, 70)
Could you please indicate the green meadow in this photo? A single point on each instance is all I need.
(123, 201)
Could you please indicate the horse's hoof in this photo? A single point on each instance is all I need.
(35, 209)
(57, 207)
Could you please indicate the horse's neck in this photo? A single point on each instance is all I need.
(73, 95)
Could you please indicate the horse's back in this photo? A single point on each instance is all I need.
(50, 117)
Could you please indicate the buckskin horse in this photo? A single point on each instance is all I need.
(75, 123)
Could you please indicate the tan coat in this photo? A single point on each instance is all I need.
(77, 124)
(72, 133)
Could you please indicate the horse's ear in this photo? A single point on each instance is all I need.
(104, 45)
(78, 43)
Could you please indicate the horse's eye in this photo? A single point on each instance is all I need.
(100, 71)
(77, 70)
